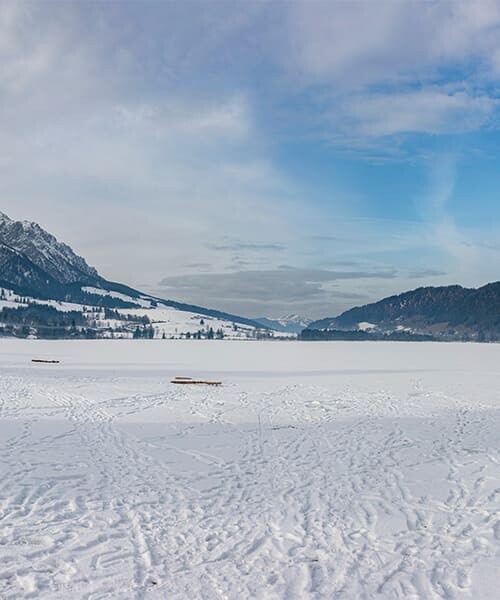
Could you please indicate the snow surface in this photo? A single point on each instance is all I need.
(317, 470)
(13, 300)
(145, 303)
(172, 322)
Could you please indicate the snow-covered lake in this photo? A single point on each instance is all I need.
(317, 470)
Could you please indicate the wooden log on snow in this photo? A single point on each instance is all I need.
(42, 360)
(190, 381)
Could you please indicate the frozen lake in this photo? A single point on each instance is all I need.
(317, 470)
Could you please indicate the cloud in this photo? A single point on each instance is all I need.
(226, 120)
(429, 111)
(198, 265)
(252, 246)
(494, 246)
(369, 70)
(272, 291)
(460, 245)
(360, 44)
(425, 273)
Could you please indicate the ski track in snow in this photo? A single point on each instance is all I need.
(343, 487)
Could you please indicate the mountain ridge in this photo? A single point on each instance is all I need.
(446, 311)
(43, 249)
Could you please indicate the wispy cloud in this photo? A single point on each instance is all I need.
(425, 273)
(240, 245)
(430, 111)
(436, 209)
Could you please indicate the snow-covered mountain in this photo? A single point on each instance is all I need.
(447, 312)
(46, 288)
(286, 324)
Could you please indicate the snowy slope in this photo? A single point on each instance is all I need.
(322, 470)
(165, 320)
(174, 323)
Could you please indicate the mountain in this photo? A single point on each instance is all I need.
(448, 312)
(37, 268)
(34, 244)
(286, 324)
(34, 263)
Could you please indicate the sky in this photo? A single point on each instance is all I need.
(263, 158)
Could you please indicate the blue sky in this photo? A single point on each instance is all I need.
(261, 157)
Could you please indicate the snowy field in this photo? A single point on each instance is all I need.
(317, 470)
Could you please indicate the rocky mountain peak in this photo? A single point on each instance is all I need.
(45, 251)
